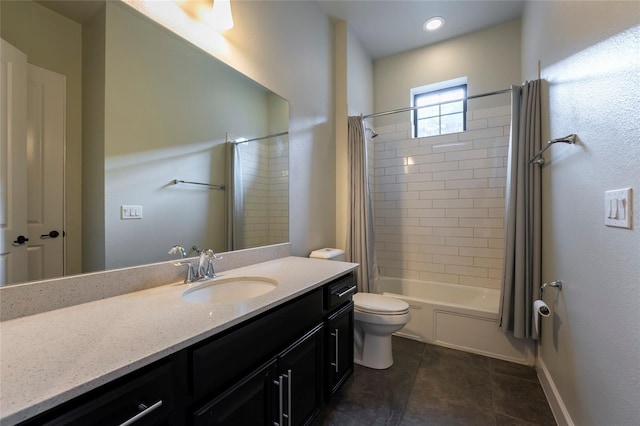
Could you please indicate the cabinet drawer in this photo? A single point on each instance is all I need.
(147, 398)
(216, 364)
(339, 292)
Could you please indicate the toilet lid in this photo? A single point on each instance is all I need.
(378, 304)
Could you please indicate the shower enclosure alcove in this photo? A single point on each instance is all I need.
(438, 210)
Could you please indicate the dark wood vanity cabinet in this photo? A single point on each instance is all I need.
(278, 368)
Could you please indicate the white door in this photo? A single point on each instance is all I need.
(13, 165)
(45, 172)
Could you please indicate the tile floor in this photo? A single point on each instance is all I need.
(432, 385)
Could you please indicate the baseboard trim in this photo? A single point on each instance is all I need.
(556, 403)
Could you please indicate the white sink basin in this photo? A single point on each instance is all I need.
(228, 290)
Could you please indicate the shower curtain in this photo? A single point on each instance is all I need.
(360, 242)
(522, 262)
(235, 198)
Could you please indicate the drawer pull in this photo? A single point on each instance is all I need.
(280, 404)
(145, 410)
(335, 335)
(289, 416)
(347, 291)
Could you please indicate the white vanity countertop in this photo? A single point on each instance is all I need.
(52, 357)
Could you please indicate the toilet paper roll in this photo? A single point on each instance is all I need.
(539, 309)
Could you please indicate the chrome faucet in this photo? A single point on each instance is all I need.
(190, 271)
(205, 264)
(202, 268)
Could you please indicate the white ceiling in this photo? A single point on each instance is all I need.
(386, 27)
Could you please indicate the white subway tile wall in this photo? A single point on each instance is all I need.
(439, 201)
(265, 173)
(279, 191)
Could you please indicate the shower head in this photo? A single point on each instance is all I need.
(373, 133)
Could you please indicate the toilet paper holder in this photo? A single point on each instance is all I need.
(555, 284)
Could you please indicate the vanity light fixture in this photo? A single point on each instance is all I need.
(214, 13)
(220, 17)
(433, 24)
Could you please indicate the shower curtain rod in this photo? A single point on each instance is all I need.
(395, 111)
(260, 138)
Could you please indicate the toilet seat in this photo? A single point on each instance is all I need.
(377, 304)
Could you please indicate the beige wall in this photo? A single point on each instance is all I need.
(359, 77)
(354, 95)
(55, 43)
(490, 58)
(341, 111)
(590, 348)
(93, 125)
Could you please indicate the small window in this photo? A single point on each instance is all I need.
(445, 111)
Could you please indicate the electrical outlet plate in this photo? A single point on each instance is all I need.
(618, 208)
(130, 212)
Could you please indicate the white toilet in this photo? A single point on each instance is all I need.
(376, 318)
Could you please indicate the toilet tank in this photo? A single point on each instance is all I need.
(328, 254)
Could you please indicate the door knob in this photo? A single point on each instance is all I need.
(20, 240)
(52, 234)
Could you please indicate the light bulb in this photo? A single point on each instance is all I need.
(433, 23)
(220, 17)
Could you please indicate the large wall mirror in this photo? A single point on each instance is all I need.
(156, 109)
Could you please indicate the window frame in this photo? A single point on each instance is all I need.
(417, 95)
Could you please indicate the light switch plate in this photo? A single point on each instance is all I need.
(618, 208)
(130, 212)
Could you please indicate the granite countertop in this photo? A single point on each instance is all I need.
(52, 357)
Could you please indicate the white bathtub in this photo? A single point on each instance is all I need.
(457, 316)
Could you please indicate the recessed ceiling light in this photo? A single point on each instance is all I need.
(434, 23)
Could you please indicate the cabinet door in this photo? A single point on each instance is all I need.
(301, 368)
(339, 358)
(251, 402)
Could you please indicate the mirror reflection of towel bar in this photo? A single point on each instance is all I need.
(213, 186)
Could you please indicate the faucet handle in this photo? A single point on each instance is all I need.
(177, 249)
(212, 254)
